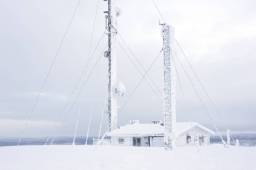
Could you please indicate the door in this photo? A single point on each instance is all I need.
(136, 141)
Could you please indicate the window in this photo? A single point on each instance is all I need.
(201, 140)
(196, 141)
(188, 139)
(107, 137)
(121, 140)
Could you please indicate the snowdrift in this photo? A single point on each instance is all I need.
(67, 157)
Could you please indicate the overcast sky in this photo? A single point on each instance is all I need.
(218, 37)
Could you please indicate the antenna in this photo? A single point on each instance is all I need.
(111, 34)
(169, 105)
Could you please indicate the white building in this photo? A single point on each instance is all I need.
(152, 134)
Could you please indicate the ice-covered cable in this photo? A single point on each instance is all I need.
(156, 6)
(140, 81)
(76, 127)
(88, 129)
(53, 62)
(84, 71)
(178, 75)
(138, 65)
(200, 99)
(83, 83)
(101, 119)
(201, 84)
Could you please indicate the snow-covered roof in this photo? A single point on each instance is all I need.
(150, 129)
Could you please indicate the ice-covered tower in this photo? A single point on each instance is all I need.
(111, 28)
(169, 101)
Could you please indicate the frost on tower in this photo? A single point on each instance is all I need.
(113, 91)
(169, 101)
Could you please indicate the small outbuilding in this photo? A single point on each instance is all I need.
(152, 134)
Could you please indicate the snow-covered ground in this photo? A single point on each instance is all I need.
(66, 157)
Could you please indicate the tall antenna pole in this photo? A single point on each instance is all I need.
(108, 52)
(169, 100)
(112, 102)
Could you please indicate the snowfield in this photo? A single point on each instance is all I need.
(67, 157)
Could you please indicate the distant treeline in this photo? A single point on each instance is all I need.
(245, 139)
(45, 141)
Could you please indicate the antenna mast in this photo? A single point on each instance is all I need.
(169, 105)
(109, 54)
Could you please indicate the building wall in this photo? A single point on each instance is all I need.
(157, 141)
(145, 141)
(123, 141)
(195, 134)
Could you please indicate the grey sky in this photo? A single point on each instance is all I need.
(219, 38)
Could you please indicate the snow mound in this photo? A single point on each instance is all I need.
(50, 157)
